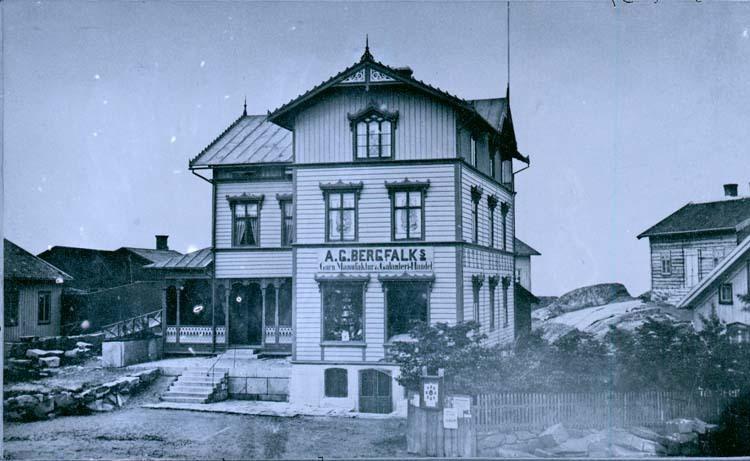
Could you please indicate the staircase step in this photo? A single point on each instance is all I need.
(192, 389)
(171, 393)
(199, 382)
(169, 398)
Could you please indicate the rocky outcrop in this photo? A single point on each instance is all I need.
(679, 438)
(41, 363)
(26, 401)
(590, 296)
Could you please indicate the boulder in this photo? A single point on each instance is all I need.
(632, 442)
(100, 405)
(147, 376)
(49, 362)
(65, 402)
(524, 435)
(590, 296)
(44, 407)
(491, 441)
(679, 426)
(75, 354)
(553, 436)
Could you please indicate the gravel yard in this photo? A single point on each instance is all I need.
(135, 432)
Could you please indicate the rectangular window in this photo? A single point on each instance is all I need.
(407, 215)
(504, 209)
(725, 294)
(475, 300)
(45, 307)
(374, 137)
(718, 256)
(10, 304)
(666, 264)
(287, 222)
(492, 164)
(343, 311)
(342, 216)
(473, 154)
(407, 303)
(505, 302)
(492, 227)
(493, 286)
(336, 382)
(475, 222)
(246, 223)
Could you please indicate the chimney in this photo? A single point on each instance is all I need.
(161, 242)
(730, 190)
(404, 71)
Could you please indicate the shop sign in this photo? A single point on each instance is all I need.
(376, 259)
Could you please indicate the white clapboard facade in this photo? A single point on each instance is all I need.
(371, 201)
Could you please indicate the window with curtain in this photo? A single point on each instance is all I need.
(246, 223)
(407, 214)
(287, 222)
(44, 307)
(343, 311)
(374, 133)
(341, 207)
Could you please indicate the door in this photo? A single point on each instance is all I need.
(375, 392)
(691, 268)
(245, 315)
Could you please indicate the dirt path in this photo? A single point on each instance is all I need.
(135, 432)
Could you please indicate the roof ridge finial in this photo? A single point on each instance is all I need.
(367, 55)
(244, 108)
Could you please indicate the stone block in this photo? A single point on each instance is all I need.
(492, 441)
(44, 407)
(147, 376)
(257, 386)
(278, 386)
(128, 383)
(49, 362)
(100, 405)
(679, 426)
(84, 345)
(632, 442)
(684, 438)
(554, 435)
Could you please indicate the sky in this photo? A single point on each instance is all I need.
(628, 112)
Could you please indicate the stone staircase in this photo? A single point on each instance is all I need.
(199, 385)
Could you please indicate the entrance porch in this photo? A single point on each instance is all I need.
(241, 313)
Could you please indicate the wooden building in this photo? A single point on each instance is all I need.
(688, 244)
(524, 298)
(31, 290)
(720, 290)
(369, 202)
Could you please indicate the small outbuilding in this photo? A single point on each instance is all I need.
(32, 289)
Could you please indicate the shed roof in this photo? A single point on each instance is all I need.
(523, 249)
(152, 254)
(20, 264)
(250, 139)
(722, 215)
(195, 260)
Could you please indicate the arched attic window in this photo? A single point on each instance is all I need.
(373, 133)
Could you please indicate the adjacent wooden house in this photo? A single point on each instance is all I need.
(371, 201)
(31, 290)
(720, 292)
(688, 244)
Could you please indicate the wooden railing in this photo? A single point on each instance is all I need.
(524, 411)
(194, 334)
(148, 322)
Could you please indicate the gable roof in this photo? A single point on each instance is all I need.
(151, 254)
(490, 112)
(723, 215)
(725, 265)
(250, 139)
(20, 264)
(200, 259)
(523, 249)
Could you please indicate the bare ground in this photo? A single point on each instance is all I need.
(135, 432)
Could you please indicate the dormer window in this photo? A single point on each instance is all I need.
(374, 133)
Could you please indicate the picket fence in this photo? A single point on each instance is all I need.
(527, 411)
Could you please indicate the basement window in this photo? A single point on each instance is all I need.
(336, 382)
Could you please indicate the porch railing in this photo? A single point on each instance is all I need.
(194, 334)
(150, 321)
(285, 334)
